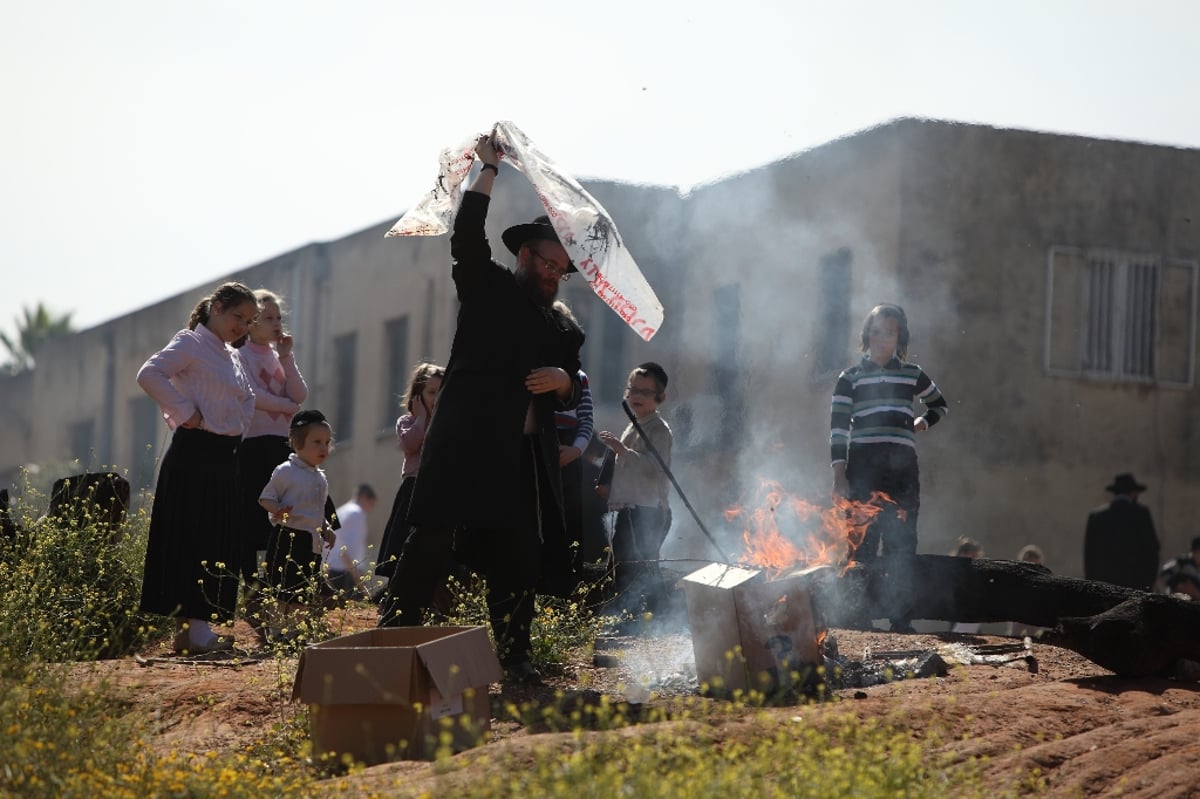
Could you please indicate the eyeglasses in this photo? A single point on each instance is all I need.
(640, 392)
(563, 275)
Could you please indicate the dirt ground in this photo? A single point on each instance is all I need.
(1091, 733)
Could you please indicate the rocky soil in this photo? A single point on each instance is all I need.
(1090, 733)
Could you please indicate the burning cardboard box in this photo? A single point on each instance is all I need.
(749, 632)
(388, 694)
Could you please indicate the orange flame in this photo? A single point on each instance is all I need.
(784, 532)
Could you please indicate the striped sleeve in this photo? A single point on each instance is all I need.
(839, 418)
(936, 407)
(583, 412)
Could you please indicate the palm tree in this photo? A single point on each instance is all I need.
(37, 326)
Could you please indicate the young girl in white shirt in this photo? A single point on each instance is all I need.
(206, 399)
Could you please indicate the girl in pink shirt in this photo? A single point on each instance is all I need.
(410, 434)
(279, 391)
(192, 548)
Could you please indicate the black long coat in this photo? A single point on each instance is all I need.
(1120, 545)
(470, 463)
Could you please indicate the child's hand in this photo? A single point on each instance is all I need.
(841, 486)
(612, 442)
(283, 346)
(567, 454)
(545, 379)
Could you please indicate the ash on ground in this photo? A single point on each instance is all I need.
(664, 665)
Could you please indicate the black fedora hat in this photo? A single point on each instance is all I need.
(1123, 484)
(539, 229)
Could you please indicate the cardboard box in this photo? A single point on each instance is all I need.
(749, 632)
(389, 693)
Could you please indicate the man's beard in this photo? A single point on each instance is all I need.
(541, 292)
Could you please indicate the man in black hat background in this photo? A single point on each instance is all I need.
(490, 460)
(1182, 573)
(1120, 545)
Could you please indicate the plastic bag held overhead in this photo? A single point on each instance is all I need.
(584, 227)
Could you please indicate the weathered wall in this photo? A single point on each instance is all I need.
(16, 425)
(951, 221)
(1025, 454)
(755, 393)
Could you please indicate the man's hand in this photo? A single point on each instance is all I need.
(328, 537)
(920, 424)
(567, 454)
(194, 421)
(485, 149)
(545, 379)
(602, 491)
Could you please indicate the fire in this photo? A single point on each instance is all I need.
(784, 532)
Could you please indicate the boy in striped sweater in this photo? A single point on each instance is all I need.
(872, 431)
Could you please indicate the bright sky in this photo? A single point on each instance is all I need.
(151, 145)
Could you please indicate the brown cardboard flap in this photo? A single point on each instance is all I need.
(355, 676)
(464, 659)
(712, 615)
(723, 576)
(387, 665)
(775, 625)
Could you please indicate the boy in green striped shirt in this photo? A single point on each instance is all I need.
(872, 430)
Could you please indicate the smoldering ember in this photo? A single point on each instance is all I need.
(777, 616)
(1131, 633)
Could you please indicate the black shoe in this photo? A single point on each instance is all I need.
(523, 673)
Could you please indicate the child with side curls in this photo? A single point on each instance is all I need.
(295, 498)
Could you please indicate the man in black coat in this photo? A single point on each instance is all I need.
(489, 464)
(1121, 545)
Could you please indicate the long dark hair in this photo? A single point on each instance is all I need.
(227, 295)
(888, 310)
(422, 374)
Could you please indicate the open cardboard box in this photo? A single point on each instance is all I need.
(389, 693)
(749, 633)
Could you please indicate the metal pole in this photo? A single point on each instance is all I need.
(667, 471)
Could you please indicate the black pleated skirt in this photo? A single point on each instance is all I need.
(395, 533)
(257, 458)
(192, 553)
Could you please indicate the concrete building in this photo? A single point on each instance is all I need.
(1050, 283)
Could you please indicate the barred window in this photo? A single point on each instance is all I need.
(727, 319)
(345, 357)
(1120, 316)
(396, 369)
(83, 442)
(832, 344)
(146, 423)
